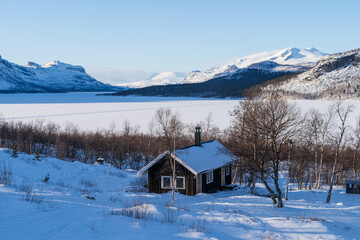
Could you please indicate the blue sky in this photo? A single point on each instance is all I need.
(140, 37)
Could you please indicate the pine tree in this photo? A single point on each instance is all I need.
(14, 151)
(37, 156)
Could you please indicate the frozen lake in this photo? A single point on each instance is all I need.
(91, 112)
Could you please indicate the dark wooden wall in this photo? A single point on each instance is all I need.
(352, 189)
(216, 184)
(163, 168)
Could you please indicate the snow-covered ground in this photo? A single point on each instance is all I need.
(91, 112)
(59, 208)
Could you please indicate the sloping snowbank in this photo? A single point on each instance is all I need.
(59, 208)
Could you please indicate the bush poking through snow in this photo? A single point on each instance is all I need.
(92, 225)
(115, 198)
(170, 215)
(138, 185)
(307, 219)
(6, 173)
(46, 179)
(28, 193)
(88, 183)
(137, 209)
(193, 224)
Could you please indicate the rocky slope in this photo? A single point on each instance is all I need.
(52, 77)
(334, 76)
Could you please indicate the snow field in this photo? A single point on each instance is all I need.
(60, 209)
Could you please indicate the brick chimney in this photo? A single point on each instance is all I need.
(197, 136)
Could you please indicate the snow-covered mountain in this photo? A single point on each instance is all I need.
(334, 76)
(286, 60)
(51, 77)
(158, 79)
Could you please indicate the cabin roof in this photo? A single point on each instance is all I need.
(197, 159)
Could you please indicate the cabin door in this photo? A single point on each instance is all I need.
(222, 176)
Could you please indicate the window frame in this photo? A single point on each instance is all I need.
(176, 182)
(162, 182)
(227, 170)
(210, 177)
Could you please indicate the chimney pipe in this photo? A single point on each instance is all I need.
(197, 136)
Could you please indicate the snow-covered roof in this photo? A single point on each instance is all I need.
(197, 159)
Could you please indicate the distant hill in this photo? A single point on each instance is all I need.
(218, 87)
(52, 77)
(233, 78)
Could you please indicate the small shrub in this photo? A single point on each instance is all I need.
(184, 208)
(138, 185)
(62, 184)
(88, 183)
(46, 206)
(115, 212)
(92, 225)
(170, 215)
(117, 174)
(6, 173)
(28, 194)
(46, 179)
(115, 199)
(305, 218)
(195, 225)
(137, 209)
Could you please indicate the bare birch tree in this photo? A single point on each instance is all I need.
(342, 113)
(169, 127)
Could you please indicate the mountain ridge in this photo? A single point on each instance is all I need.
(55, 76)
(286, 60)
(335, 76)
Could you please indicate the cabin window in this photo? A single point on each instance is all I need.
(180, 182)
(350, 185)
(209, 177)
(166, 182)
(227, 170)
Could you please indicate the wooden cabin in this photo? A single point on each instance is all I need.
(352, 186)
(200, 168)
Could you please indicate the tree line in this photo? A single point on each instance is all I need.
(124, 146)
(273, 137)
